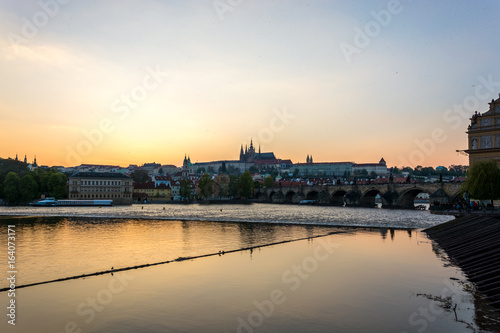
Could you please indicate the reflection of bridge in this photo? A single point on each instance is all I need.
(392, 195)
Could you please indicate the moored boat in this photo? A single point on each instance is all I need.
(51, 202)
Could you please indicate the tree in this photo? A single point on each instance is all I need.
(222, 168)
(221, 186)
(233, 186)
(269, 182)
(12, 188)
(29, 188)
(210, 169)
(407, 169)
(364, 172)
(56, 185)
(200, 170)
(160, 171)
(253, 169)
(483, 181)
(257, 184)
(296, 173)
(246, 185)
(232, 170)
(185, 189)
(206, 186)
(140, 176)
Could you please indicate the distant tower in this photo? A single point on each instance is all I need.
(259, 151)
(307, 158)
(242, 156)
(311, 159)
(185, 167)
(17, 158)
(25, 159)
(34, 162)
(382, 161)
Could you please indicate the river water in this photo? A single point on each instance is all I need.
(383, 277)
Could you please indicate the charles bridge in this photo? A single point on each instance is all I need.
(392, 195)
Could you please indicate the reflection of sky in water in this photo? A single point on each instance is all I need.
(255, 212)
(368, 282)
(52, 248)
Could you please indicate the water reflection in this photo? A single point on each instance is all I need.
(53, 248)
(364, 284)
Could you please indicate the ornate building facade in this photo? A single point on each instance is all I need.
(484, 135)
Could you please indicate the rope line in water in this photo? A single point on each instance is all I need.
(169, 261)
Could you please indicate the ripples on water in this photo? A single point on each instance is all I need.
(50, 248)
(365, 285)
(337, 216)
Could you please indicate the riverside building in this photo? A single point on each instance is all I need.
(101, 185)
(484, 135)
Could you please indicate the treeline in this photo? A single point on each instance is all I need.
(420, 171)
(18, 185)
(221, 186)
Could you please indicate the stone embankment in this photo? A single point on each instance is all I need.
(473, 243)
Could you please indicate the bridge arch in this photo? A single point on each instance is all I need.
(289, 196)
(368, 198)
(337, 198)
(407, 198)
(312, 195)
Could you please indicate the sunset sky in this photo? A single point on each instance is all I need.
(128, 82)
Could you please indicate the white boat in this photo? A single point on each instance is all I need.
(307, 202)
(66, 202)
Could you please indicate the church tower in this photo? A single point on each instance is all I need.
(25, 159)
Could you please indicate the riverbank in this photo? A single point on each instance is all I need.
(473, 243)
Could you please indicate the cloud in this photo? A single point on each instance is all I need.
(49, 54)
